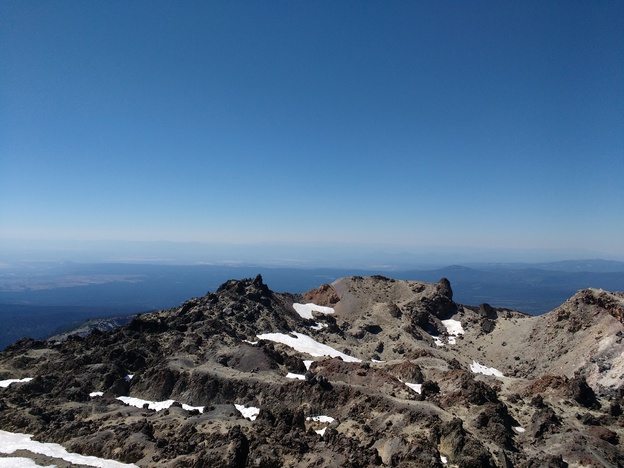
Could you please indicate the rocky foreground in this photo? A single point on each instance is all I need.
(245, 377)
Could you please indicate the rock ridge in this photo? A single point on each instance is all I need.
(420, 380)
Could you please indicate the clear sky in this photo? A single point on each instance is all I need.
(420, 124)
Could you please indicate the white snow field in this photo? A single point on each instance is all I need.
(305, 344)
(10, 442)
(21, 462)
(305, 310)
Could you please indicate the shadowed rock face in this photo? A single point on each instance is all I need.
(423, 389)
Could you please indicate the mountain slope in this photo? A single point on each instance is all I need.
(244, 377)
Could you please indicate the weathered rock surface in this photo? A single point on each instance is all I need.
(419, 389)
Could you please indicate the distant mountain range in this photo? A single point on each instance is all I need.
(38, 299)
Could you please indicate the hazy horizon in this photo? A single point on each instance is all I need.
(307, 132)
(311, 255)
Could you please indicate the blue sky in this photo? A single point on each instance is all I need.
(415, 125)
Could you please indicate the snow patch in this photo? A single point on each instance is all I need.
(96, 394)
(453, 327)
(305, 310)
(155, 405)
(319, 326)
(12, 441)
(140, 403)
(321, 432)
(192, 408)
(252, 343)
(481, 369)
(321, 419)
(307, 364)
(305, 344)
(248, 412)
(438, 341)
(519, 429)
(290, 375)
(6, 383)
(443, 459)
(414, 386)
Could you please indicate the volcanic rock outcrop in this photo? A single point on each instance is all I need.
(385, 373)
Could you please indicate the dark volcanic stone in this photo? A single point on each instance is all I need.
(487, 311)
(583, 393)
(544, 420)
(464, 449)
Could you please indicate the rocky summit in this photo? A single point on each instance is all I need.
(366, 371)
